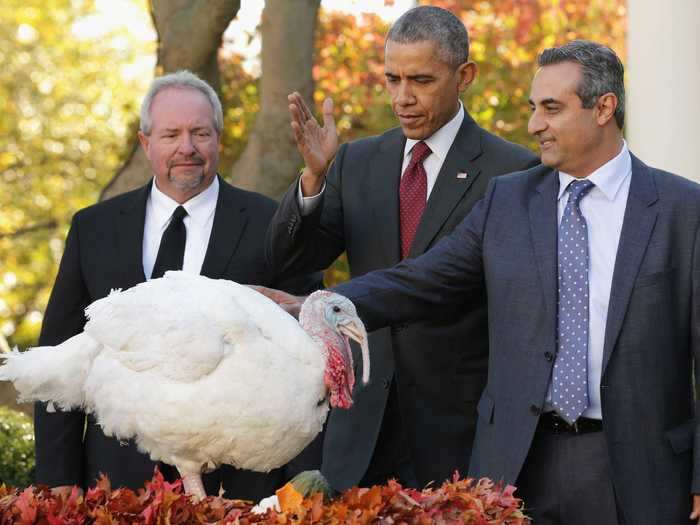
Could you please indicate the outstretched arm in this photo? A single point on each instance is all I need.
(431, 285)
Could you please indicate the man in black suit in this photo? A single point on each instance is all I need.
(123, 241)
(383, 199)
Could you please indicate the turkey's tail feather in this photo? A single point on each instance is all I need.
(47, 373)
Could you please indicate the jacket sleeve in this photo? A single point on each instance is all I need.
(429, 286)
(59, 435)
(695, 348)
(296, 243)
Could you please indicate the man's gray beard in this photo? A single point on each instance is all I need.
(186, 183)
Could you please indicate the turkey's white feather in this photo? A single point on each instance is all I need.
(45, 374)
(196, 370)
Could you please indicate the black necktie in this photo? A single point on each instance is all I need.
(172, 246)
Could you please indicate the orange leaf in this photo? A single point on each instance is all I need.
(289, 498)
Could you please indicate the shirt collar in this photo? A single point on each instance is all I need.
(608, 178)
(441, 141)
(199, 208)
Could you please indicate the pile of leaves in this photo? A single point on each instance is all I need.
(160, 503)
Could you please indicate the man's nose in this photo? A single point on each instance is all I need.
(404, 94)
(186, 145)
(536, 124)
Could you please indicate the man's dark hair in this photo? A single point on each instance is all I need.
(601, 69)
(434, 24)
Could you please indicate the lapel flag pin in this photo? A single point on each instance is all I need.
(462, 175)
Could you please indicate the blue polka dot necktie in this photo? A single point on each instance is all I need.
(570, 373)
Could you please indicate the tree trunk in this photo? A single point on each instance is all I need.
(189, 37)
(270, 160)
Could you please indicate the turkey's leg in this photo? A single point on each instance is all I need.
(193, 484)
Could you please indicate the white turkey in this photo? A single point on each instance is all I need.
(201, 371)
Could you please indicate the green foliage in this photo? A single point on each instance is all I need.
(16, 448)
(63, 118)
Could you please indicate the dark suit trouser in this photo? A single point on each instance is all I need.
(566, 480)
(391, 458)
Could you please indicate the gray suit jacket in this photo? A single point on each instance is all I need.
(508, 246)
(437, 392)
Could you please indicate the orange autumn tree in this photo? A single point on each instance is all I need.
(506, 37)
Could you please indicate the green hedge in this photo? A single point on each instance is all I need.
(16, 448)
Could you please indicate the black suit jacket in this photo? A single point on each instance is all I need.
(437, 391)
(104, 251)
(508, 246)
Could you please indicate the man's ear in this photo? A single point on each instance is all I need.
(606, 106)
(144, 140)
(467, 74)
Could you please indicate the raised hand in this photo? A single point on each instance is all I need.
(316, 144)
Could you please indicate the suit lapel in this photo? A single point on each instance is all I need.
(637, 226)
(383, 197)
(543, 228)
(230, 219)
(130, 236)
(449, 190)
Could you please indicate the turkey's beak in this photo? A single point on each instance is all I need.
(355, 330)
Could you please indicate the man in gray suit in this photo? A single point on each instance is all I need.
(384, 201)
(590, 266)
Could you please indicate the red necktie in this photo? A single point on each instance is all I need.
(413, 193)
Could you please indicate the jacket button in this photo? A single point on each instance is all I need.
(549, 356)
(535, 410)
(386, 383)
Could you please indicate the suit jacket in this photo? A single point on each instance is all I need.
(508, 246)
(438, 391)
(104, 251)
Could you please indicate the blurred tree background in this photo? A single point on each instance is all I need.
(69, 103)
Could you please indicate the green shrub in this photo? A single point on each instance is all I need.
(16, 448)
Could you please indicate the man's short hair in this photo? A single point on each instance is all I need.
(182, 79)
(602, 72)
(437, 25)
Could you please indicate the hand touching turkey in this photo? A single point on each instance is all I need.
(201, 371)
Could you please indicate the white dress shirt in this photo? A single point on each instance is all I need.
(439, 143)
(604, 210)
(198, 223)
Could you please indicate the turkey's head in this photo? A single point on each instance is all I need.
(331, 320)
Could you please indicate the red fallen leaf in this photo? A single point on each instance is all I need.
(459, 501)
(26, 504)
(316, 507)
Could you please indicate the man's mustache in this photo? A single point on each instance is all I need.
(193, 161)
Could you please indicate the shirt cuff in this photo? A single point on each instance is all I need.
(308, 204)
